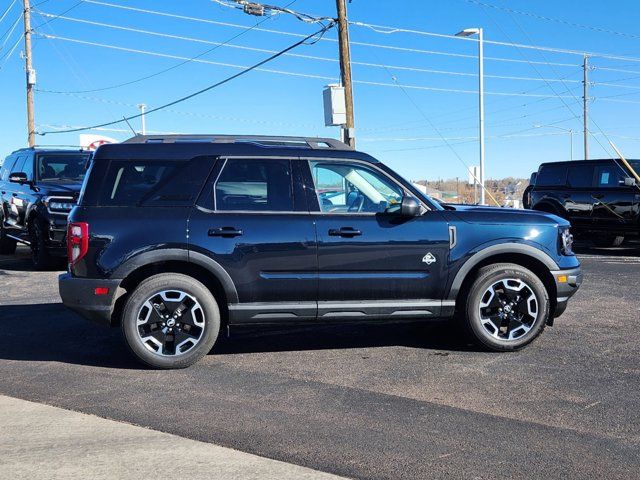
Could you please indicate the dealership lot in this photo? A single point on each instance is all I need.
(368, 401)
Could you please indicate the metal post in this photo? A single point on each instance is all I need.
(348, 134)
(585, 105)
(31, 74)
(481, 110)
(571, 140)
(142, 108)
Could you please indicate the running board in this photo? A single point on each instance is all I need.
(18, 239)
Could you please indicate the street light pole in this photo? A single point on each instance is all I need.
(143, 125)
(467, 32)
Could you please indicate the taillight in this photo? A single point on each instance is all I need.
(77, 241)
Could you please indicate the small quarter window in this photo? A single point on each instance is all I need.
(254, 185)
(154, 182)
(552, 176)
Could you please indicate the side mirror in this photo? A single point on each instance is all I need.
(410, 207)
(18, 177)
(629, 182)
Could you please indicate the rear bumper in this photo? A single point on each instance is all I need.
(567, 284)
(78, 294)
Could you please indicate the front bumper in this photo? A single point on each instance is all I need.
(567, 284)
(78, 294)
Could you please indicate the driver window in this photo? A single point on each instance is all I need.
(353, 188)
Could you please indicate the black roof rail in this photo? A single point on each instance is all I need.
(261, 140)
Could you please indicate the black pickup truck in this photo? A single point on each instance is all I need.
(38, 189)
(601, 198)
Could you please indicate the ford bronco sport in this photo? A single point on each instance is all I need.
(177, 237)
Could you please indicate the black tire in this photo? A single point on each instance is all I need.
(608, 241)
(7, 245)
(40, 256)
(169, 358)
(480, 329)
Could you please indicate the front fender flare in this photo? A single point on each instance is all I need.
(500, 249)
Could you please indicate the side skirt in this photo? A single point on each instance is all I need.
(327, 311)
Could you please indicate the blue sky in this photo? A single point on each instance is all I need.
(388, 124)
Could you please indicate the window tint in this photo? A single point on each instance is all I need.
(17, 167)
(153, 182)
(609, 175)
(580, 176)
(552, 175)
(7, 165)
(27, 167)
(255, 185)
(62, 167)
(354, 188)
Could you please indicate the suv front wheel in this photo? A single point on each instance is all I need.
(170, 321)
(506, 307)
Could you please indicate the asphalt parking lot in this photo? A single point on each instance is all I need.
(368, 401)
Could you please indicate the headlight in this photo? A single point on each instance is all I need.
(566, 242)
(61, 206)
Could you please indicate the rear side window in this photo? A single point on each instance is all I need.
(153, 182)
(609, 175)
(580, 176)
(552, 176)
(254, 185)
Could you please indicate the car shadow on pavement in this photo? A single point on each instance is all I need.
(51, 333)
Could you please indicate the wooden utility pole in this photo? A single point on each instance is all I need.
(585, 105)
(30, 74)
(348, 132)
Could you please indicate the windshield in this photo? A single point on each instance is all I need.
(62, 167)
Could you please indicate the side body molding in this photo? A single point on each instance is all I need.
(476, 258)
(181, 255)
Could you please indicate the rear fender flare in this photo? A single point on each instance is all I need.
(180, 255)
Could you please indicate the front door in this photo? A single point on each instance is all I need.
(614, 203)
(253, 220)
(372, 261)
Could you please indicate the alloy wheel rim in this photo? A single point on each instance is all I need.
(508, 309)
(170, 323)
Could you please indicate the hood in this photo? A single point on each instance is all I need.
(498, 215)
(60, 188)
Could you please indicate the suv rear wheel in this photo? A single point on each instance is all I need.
(7, 245)
(40, 256)
(170, 321)
(506, 308)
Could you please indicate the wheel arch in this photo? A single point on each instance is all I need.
(548, 205)
(202, 268)
(526, 256)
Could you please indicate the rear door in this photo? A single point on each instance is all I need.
(6, 188)
(252, 219)
(613, 201)
(578, 200)
(372, 261)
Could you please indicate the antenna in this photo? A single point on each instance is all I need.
(135, 134)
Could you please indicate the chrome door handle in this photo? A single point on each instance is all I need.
(228, 232)
(344, 232)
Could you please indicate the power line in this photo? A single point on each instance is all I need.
(6, 10)
(206, 89)
(7, 34)
(55, 17)
(555, 20)
(283, 72)
(310, 57)
(280, 32)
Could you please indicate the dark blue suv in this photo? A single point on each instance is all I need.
(177, 237)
